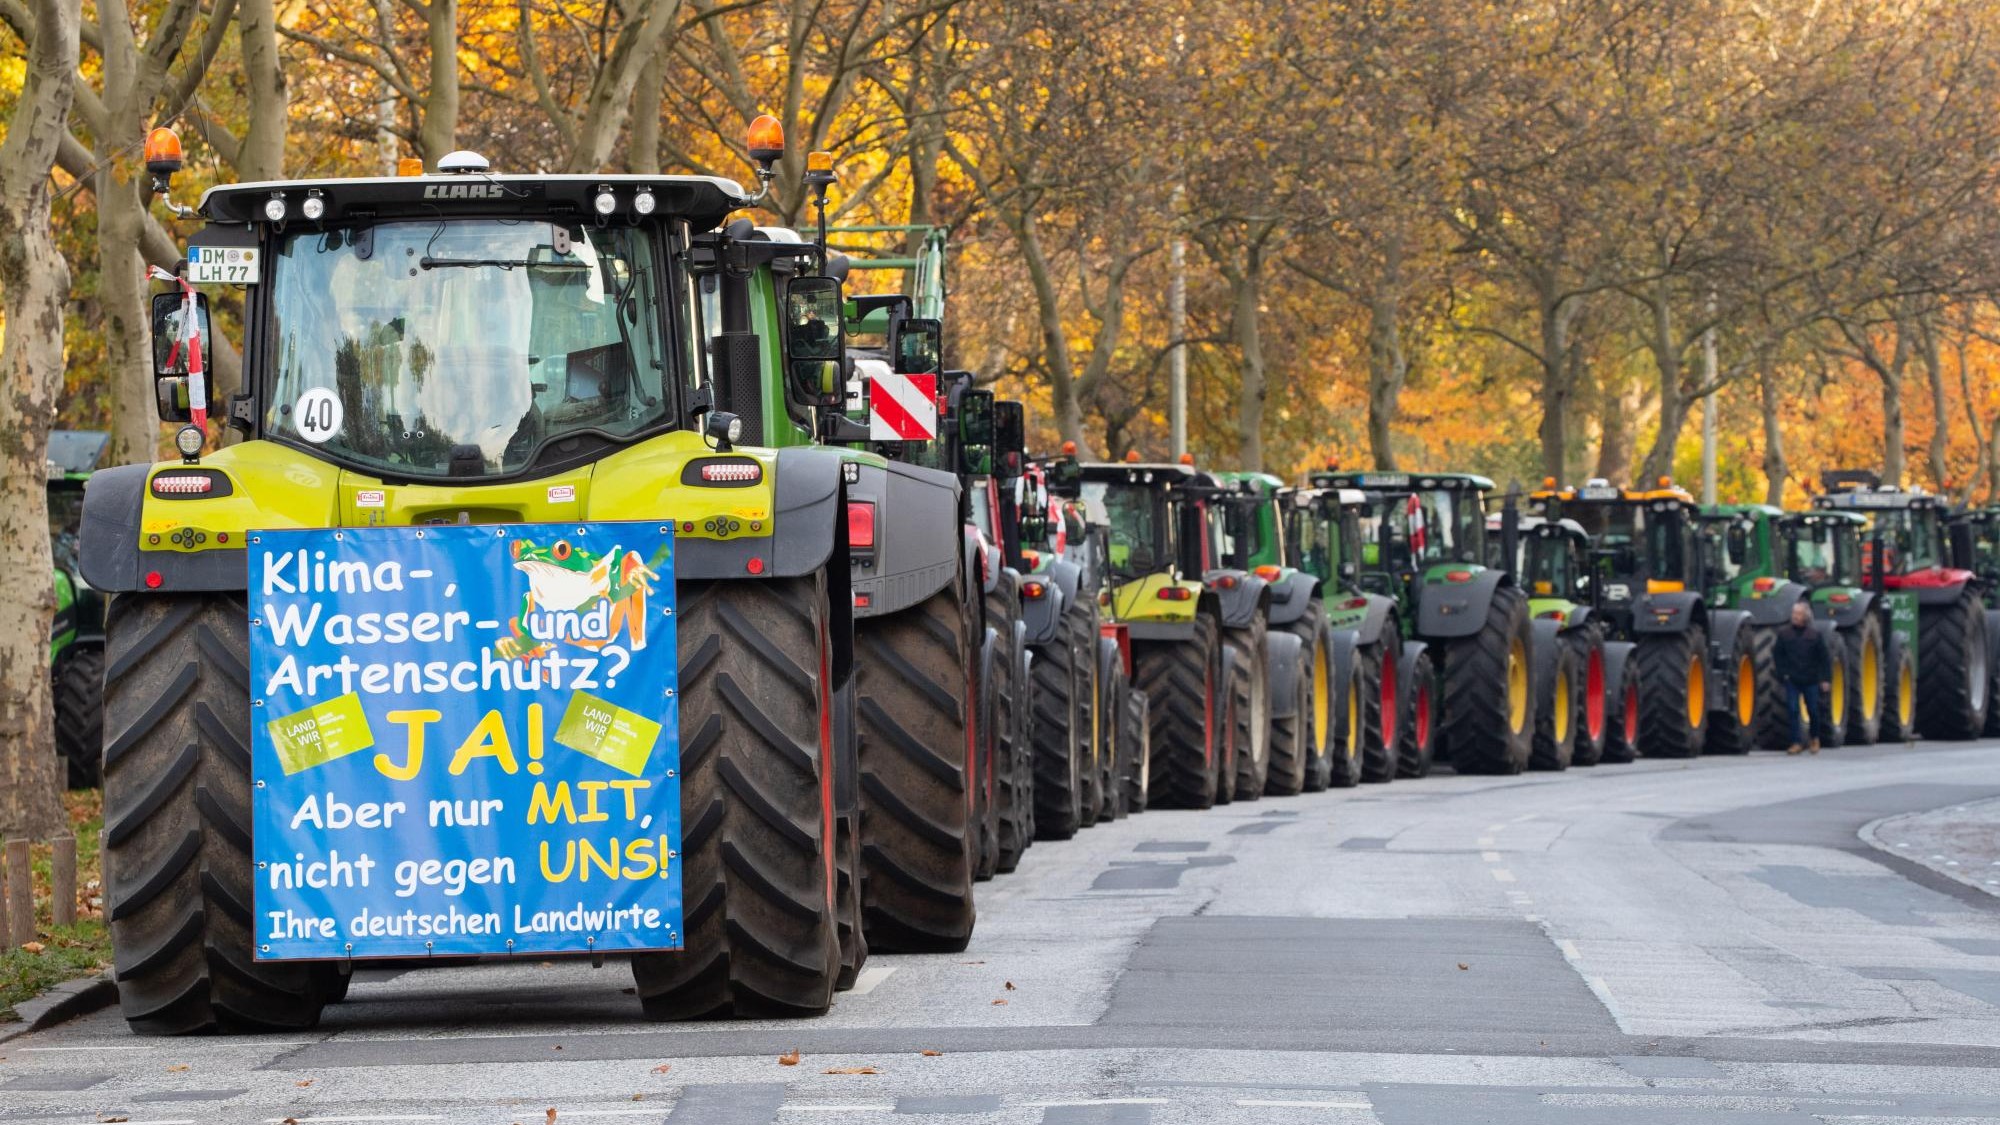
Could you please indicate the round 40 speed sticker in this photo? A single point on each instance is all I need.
(317, 415)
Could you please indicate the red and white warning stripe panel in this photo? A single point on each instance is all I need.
(901, 407)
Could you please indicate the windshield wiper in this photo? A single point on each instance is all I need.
(431, 263)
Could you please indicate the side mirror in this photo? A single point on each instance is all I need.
(1961, 547)
(1066, 477)
(916, 346)
(975, 431)
(170, 387)
(815, 338)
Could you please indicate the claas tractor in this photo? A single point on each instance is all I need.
(1429, 554)
(1905, 556)
(1156, 556)
(1743, 571)
(76, 636)
(1821, 551)
(1382, 708)
(473, 357)
(1574, 685)
(1975, 545)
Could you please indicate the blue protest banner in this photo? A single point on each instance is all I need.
(464, 740)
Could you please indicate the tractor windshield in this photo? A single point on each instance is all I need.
(1822, 553)
(1550, 568)
(1449, 526)
(1133, 514)
(1911, 536)
(1311, 545)
(462, 348)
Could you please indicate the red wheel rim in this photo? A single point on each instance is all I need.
(1422, 719)
(1388, 700)
(1593, 695)
(1631, 714)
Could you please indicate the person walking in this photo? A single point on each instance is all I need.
(1805, 666)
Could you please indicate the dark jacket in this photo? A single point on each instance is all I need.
(1801, 655)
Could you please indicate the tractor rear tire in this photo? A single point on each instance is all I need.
(1671, 674)
(759, 871)
(178, 871)
(1344, 760)
(916, 845)
(1080, 620)
(1183, 685)
(1489, 702)
(1058, 737)
(79, 692)
(1750, 677)
(1951, 668)
(1298, 740)
(1899, 705)
(1867, 666)
(1017, 769)
(848, 933)
(1840, 676)
(1621, 704)
(1593, 707)
(1136, 754)
(1252, 689)
(1380, 698)
(1555, 714)
(982, 766)
(1772, 723)
(1112, 688)
(1225, 754)
(1416, 747)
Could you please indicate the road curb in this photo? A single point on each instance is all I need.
(1871, 834)
(61, 1004)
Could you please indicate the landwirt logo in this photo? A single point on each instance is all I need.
(463, 191)
(578, 598)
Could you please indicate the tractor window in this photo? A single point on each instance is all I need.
(1132, 514)
(1309, 546)
(1986, 546)
(1812, 554)
(1669, 556)
(1453, 524)
(1911, 535)
(1548, 565)
(65, 520)
(461, 348)
(1724, 548)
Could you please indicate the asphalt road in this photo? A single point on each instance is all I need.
(1664, 943)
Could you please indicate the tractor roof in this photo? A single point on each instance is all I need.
(1879, 498)
(704, 200)
(1824, 515)
(75, 451)
(1566, 527)
(1600, 491)
(1723, 510)
(1338, 497)
(1401, 482)
(1260, 484)
(1139, 472)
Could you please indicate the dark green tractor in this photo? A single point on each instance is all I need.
(1744, 569)
(76, 640)
(1822, 552)
(1975, 543)
(1552, 560)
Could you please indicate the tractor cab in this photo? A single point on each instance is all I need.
(1905, 545)
(1158, 546)
(1644, 542)
(1245, 514)
(1976, 546)
(1417, 527)
(1821, 549)
(1323, 535)
(1552, 557)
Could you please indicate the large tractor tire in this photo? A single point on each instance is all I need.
(1899, 704)
(1060, 738)
(1951, 668)
(1840, 676)
(1298, 740)
(1417, 714)
(1112, 686)
(1555, 711)
(1489, 699)
(1252, 701)
(1349, 726)
(1593, 708)
(1017, 775)
(982, 766)
(1380, 696)
(79, 692)
(177, 865)
(1136, 754)
(1741, 719)
(1867, 681)
(1671, 673)
(759, 871)
(916, 845)
(1621, 704)
(1080, 620)
(1992, 671)
(853, 943)
(1233, 688)
(1184, 710)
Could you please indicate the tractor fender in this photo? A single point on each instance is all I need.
(805, 507)
(1945, 588)
(1849, 614)
(1042, 617)
(1682, 609)
(1346, 647)
(1723, 625)
(1406, 671)
(1457, 609)
(1617, 654)
(980, 573)
(1547, 649)
(1291, 594)
(1239, 602)
(1378, 615)
(1774, 608)
(107, 544)
(1992, 646)
(1281, 651)
(912, 560)
(1579, 616)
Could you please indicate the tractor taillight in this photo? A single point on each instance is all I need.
(153, 580)
(861, 525)
(182, 484)
(1268, 572)
(731, 472)
(1226, 582)
(1355, 603)
(1175, 594)
(1458, 576)
(1764, 585)
(1033, 590)
(1840, 599)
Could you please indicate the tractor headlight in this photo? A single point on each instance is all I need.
(605, 203)
(643, 202)
(189, 440)
(274, 208)
(314, 207)
(724, 427)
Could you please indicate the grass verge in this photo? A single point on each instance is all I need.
(68, 952)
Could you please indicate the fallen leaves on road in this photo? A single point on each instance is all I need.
(789, 1060)
(972, 962)
(663, 1068)
(850, 1070)
(932, 1054)
(638, 1097)
(109, 1120)
(33, 946)
(178, 1069)
(1010, 986)
(557, 1047)
(551, 1111)
(997, 1003)
(1463, 966)
(303, 1083)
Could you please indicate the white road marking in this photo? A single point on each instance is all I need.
(1496, 828)
(103, 1047)
(1096, 1101)
(1504, 875)
(1568, 948)
(1603, 992)
(1486, 841)
(839, 1108)
(1490, 857)
(1305, 1105)
(357, 1117)
(649, 1111)
(868, 979)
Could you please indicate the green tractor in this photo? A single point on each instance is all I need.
(1574, 685)
(468, 354)
(1975, 542)
(1744, 569)
(1156, 557)
(76, 639)
(1359, 734)
(1941, 615)
(1822, 552)
(1430, 556)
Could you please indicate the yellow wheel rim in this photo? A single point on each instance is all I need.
(1697, 692)
(1746, 691)
(1837, 706)
(1517, 684)
(1563, 709)
(1906, 698)
(1354, 719)
(1871, 681)
(1322, 689)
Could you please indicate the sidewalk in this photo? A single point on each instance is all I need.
(1961, 842)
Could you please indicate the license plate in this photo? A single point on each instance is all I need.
(1385, 480)
(223, 265)
(1596, 492)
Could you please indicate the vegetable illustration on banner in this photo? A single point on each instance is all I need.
(466, 740)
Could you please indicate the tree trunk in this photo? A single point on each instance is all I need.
(261, 156)
(1055, 338)
(1775, 469)
(1388, 365)
(1894, 463)
(1940, 445)
(123, 290)
(1673, 398)
(1556, 314)
(1250, 342)
(34, 284)
(1614, 426)
(644, 156)
(439, 133)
